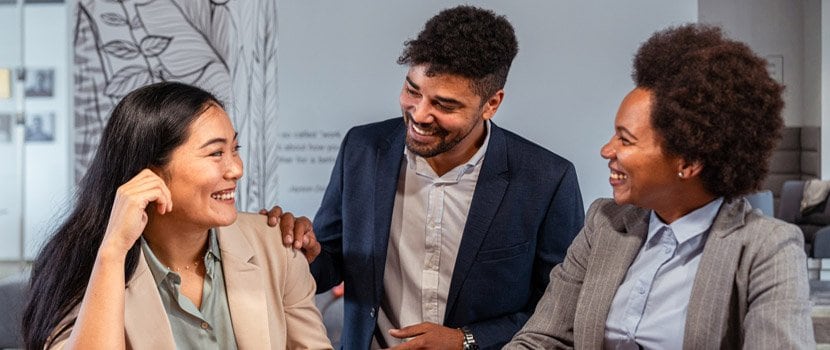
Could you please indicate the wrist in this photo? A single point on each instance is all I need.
(468, 340)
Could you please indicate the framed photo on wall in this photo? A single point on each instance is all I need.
(40, 127)
(40, 82)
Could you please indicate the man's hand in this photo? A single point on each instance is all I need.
(428, 335)
(296, 231)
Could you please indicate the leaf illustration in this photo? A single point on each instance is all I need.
(127, 79)
(154, 45)
(114, 19)
(136, 23)
(90, 73)
(191, 50)
(122, 49)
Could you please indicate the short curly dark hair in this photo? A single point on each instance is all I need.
(468, 41)
(714, 102)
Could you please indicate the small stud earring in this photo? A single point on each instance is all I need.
(680, 174)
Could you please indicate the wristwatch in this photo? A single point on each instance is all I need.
(469, 342)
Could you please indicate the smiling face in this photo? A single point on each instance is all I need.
(203, 171)
(444, 117)
(642, 174)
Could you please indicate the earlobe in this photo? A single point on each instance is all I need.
(690, 169)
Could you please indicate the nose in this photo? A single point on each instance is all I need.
(234, 168)
(607, 151)
(419, 110)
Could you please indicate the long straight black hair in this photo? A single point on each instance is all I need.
(143, 130)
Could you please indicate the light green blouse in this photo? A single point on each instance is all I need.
(208, 327)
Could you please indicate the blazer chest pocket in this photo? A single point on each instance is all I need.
(502, 253)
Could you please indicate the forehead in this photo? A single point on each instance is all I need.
(213, 122)
(443, 82)
(635, 111)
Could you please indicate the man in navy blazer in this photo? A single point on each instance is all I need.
(444, 226)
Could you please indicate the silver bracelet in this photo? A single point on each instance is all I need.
(469, 341)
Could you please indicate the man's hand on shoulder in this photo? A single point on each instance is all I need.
(297, 231)
(428, 335)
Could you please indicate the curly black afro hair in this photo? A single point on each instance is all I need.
(714, 103)
(471, 42)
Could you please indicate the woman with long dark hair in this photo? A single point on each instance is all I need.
(154, 254)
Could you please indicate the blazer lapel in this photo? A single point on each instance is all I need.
(144, 313)
(489, 191)
(614, 252)
(709, 304)
(245, 290)
(387, 171)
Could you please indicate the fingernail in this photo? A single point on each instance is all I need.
(289, 239)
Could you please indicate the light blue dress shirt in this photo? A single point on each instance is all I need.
(649, 308)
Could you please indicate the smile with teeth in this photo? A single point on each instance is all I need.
(224, 195)
(423, 132)
(618, 176)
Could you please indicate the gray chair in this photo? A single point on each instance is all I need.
(762, 200)
(13, 290)
(816, 236)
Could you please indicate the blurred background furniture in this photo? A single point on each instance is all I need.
(796, 158)
(12, 300)
(815, 226)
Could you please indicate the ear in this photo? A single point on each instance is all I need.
(492, 105)
(690, 169)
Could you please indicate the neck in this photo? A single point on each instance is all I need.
(684, 204)
(461, 153)
(173, 243)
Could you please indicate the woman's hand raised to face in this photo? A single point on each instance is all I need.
(128, 216)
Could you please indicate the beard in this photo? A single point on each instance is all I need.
(433, 149)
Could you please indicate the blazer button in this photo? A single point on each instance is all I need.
(372, 313)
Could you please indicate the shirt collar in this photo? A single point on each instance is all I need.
(419, 164)
(688, 226)
(160, 271)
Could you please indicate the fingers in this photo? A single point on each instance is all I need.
(287, 228)
(302, 228)
(273, 215)
(409, 331)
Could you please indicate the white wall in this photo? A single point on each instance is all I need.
(337, 69)
(769, 27)
(46, 170)
(812, 63)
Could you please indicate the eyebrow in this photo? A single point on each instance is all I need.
(444, 100)
(623, 129)
(218, 140)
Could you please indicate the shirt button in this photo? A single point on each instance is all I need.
(204, 325)
(641, 290)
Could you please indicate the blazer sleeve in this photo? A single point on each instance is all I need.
(304, 325)
(552, 324)
(328, 227)
(778, 313)
(564, 218)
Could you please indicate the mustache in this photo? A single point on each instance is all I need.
(429, 127)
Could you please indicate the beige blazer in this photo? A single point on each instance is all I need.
(750, 290)
(269, 287)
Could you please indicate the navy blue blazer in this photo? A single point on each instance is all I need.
(525, 212)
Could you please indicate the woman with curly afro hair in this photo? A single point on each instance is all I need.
(678, 258)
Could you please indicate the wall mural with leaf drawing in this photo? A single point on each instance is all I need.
(228, 47)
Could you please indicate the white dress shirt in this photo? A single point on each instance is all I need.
(428, 220)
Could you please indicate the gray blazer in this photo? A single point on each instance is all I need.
(750, 291)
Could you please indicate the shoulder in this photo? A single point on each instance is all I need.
(528, 153)
(606, 211)
(376, 129)
(254, 230)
